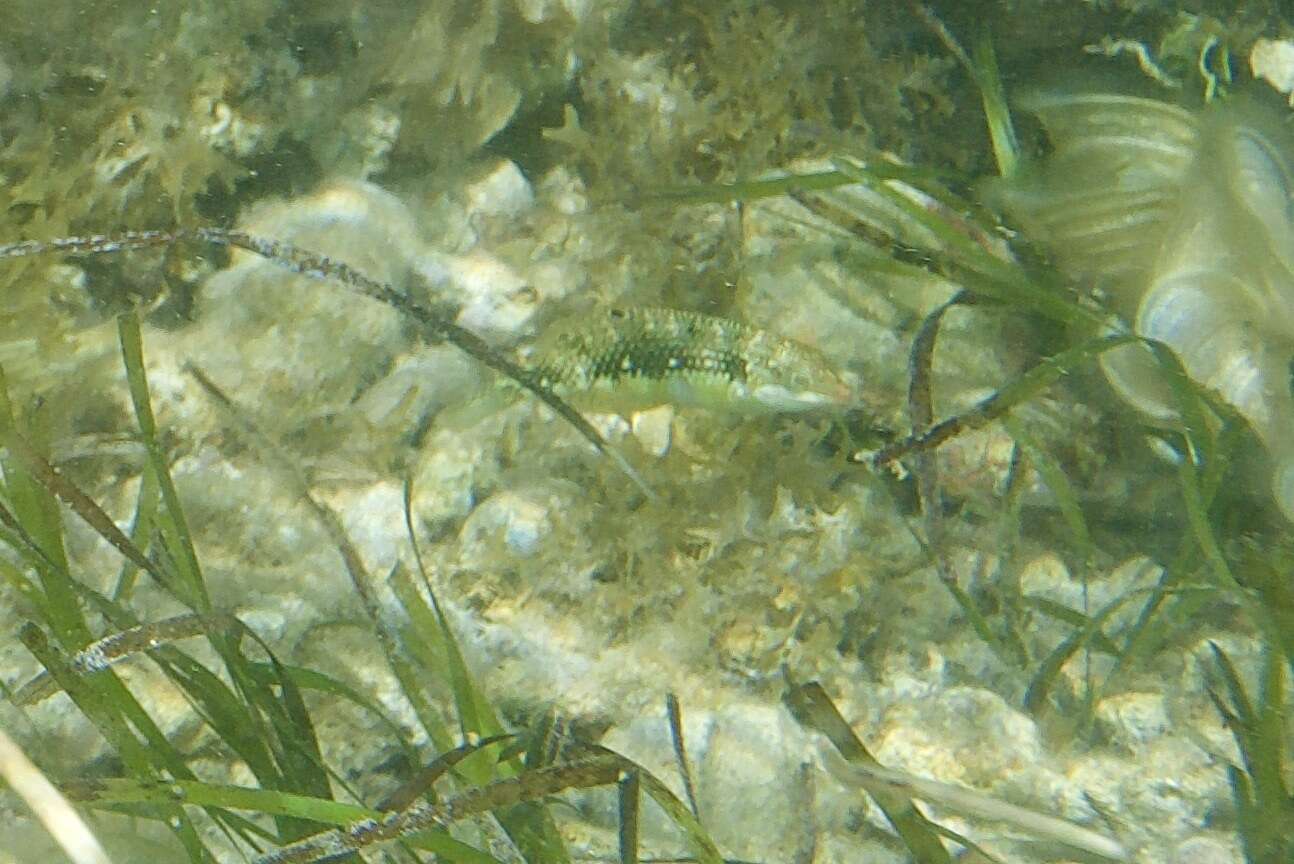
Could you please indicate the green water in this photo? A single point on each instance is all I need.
(1067, 608)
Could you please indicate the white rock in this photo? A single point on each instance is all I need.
(1046, 576)
(373, 517)
(961, 734)
(565, 192)
(1134, 720)
(1272, 60)
(521, 522)
(420, 384)
(497, 302)
(1208, 849)
(505, 191)
(225, 129)
(653, 429)
(305, 346)
(746, 760)
(449, 468)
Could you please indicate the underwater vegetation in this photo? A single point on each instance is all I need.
(289, 586)
(1181, 220)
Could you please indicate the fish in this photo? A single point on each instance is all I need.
(630, 359)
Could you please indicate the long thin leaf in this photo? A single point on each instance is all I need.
(812, 708)
(171, 520)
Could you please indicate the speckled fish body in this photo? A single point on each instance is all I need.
(631, 359)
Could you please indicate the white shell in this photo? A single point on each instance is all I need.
(1184, 220)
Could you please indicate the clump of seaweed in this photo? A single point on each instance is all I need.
(179, 116)
(694, 89)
